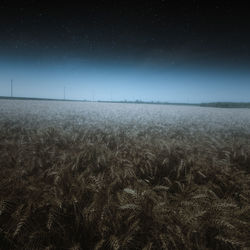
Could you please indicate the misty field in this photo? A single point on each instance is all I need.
(123, 176)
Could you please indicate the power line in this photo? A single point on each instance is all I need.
(11, 88)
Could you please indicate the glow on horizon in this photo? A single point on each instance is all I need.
(115, 82)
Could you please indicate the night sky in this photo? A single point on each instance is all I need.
(160, 50)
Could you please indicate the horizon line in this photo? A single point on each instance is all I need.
(137, 101)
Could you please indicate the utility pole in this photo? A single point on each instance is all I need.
(11, 88)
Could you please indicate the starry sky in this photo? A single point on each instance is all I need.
(175, 51)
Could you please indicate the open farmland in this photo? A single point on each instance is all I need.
(123, 176)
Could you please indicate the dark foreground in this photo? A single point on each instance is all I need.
(113, 176)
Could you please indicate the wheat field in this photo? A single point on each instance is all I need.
(123, 176)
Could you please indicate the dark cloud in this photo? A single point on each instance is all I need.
(152, 32)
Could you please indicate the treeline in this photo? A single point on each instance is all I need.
(226, 104)
(209, 104)
(152, 102)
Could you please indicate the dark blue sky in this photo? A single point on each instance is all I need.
(191, 51)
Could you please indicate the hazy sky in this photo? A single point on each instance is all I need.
(108, 81)
(115, 50)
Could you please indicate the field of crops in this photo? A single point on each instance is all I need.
(123, 176)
